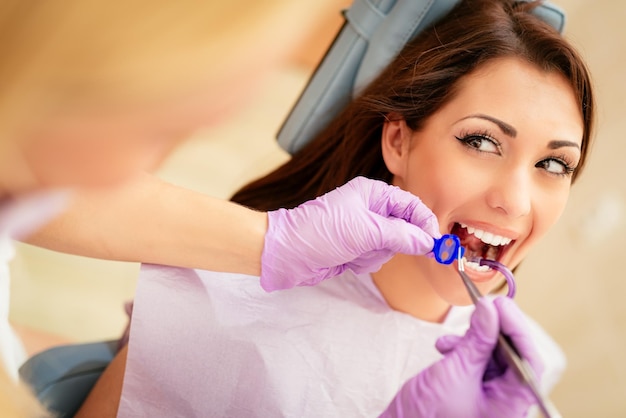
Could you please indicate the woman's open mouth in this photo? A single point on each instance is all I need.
(480, 244)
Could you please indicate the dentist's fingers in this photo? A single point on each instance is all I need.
(399, 236)
(391, 201)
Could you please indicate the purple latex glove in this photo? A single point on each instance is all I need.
(463, 383)
(358, 226)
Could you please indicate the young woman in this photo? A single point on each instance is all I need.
(487, 117)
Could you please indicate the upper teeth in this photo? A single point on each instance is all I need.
(487, 237)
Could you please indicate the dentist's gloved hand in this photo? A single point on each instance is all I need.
(358, 226)
(465, 383)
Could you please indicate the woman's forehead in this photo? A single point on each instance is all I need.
(522, 95)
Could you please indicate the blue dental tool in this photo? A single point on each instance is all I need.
(446, 249)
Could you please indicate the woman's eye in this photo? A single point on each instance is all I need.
(481, 143)
(555, 166)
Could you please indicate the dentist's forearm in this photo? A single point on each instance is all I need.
(151, 221)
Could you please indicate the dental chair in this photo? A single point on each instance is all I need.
(373, 33)
(63, 376)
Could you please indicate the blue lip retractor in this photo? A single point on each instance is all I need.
(447, 248)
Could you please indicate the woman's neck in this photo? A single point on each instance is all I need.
(403, 283)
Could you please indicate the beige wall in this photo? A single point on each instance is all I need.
(573, 283)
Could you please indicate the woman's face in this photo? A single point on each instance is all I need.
(494, 165)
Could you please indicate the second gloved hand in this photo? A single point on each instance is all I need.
(358, 226)
(467, 382)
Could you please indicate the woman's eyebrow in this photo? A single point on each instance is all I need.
(504, 127)
(560, 144)
(512, 132)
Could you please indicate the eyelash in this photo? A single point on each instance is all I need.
(467, 137)
(568, 166)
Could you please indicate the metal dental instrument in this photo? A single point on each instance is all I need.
(445, 249)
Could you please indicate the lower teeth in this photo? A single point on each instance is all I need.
(475, 266)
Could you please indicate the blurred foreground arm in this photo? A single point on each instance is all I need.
(358, 226)
(149, 220)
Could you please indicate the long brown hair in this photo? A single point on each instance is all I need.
(421, 79)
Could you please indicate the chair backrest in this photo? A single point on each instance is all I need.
(62, 377)
(374, 32)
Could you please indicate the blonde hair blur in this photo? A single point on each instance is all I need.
(78, 52)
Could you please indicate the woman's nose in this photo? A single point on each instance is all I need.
(511, 193)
